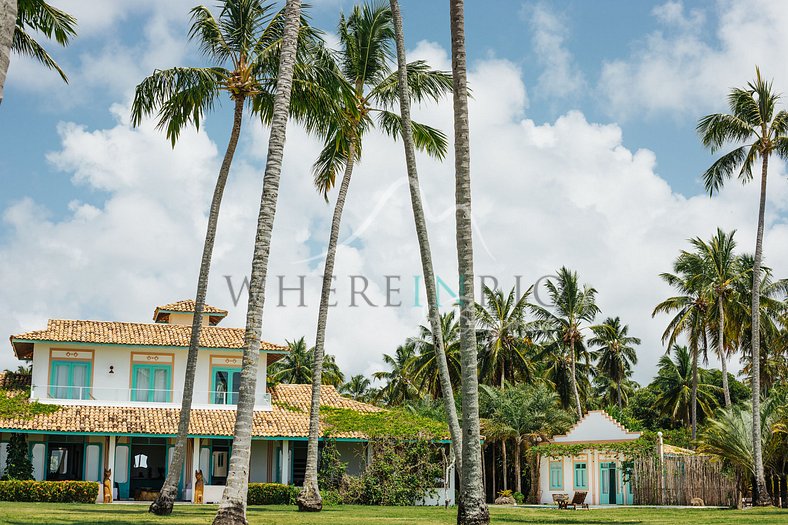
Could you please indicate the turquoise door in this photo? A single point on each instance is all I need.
(608, 483)
(122, 470)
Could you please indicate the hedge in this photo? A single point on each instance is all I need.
(49, 491)
(271, 494)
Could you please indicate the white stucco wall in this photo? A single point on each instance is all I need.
(596, 426)
(115, 387)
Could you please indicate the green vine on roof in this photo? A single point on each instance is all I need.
(637, 448)
(17, 405)
(392, 423)
(287, 406)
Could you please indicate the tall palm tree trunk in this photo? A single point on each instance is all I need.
(232, 510)
(757, 453)
(694, 394)
(309, 498)
(162, 505)
(723, 355)
(618, 395)
(518, 443)
(424, 243)
(505, 465)
(8, 10)
(472, 507)
(575, 392)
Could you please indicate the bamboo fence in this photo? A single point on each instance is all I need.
(681, 479)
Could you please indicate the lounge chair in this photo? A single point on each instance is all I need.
(579, 498)
(561, 499)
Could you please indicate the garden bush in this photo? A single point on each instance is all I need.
(271, 494)
(401, 473)
(49, 491)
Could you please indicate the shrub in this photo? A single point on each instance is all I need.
(518, 497)
(331, 469)
(271, 494)
(331, 497)
(49, 491)
(401, 473)
(18, 464)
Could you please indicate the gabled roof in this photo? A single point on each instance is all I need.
(161, 313)
(289, 417)
(597, 426)
(133, 334)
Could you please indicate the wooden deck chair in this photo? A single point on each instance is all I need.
(578, 499)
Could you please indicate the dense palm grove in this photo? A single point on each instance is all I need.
(520, 370)
(527, 354)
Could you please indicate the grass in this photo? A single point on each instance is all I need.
(72, 514)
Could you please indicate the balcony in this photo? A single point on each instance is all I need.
(86, 395)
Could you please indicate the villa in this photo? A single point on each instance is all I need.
(604, 476)
(118, 387)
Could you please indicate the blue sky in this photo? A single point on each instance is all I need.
(583, 146)
(597, 31)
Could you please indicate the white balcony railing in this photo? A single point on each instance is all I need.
(87, 395)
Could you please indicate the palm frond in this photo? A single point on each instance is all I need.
(180, 96)
(47, 20)
(424, 84)
(715, 177)
(205, 28)
(24, 44)
(426, 138)
(718, 129)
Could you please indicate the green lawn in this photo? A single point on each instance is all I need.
(37, 513)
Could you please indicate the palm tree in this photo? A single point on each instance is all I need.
(607, 391)
(398, 387)
(295, 367)
(728, 436)
(555, 363)
(679, 389)
(423, 368)
(691, 319)
(232, 510)
(243, 44)
(444, 373)
(721, 273)
(19, 19)
(365, 48)
(522, 413)
(572, 307)
(503, 338)
(773, 316)
(472, 507)
(754, 122)
(357, 387)
(615, 354)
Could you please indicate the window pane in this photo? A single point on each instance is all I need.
(142, 383)
(236, 385)
(60, 380)
(160, 380)
(221, 387)
(79, 380)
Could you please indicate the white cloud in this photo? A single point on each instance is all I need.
(561, 193)
(689, 65)
(560, 76)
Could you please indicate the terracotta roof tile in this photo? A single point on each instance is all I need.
(187, 305)
(151, 334)
(289, 417)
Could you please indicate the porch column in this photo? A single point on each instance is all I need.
(111, 465)
(195, 464)
(285, 464)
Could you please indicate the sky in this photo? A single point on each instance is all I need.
(583, 147)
